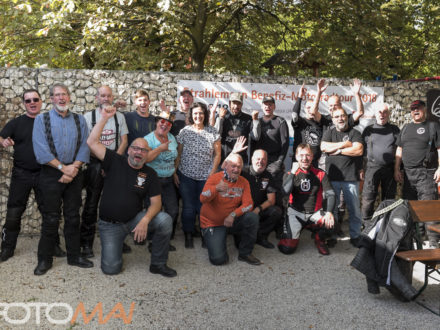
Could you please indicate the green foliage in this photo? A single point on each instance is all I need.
(343, 38)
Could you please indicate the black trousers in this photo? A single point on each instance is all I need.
(94, 182)
(23, 181)
(376, 176)
(419, 184)
(269, 219)
(57, 196)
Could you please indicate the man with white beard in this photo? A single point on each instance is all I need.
(59, 139)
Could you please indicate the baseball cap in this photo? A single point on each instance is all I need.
(417, 104)
(269, 99)
(236, 96)
(186, 91)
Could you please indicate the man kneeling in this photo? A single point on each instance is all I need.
(127, 183)
(307, 186)
(226, 205)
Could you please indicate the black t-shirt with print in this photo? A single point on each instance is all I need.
(341, 167)
(125, 188)
(261, 184)
(233, 128)
(415, 142)
(308, 131)
(20, 130)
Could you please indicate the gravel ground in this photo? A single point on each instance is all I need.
(300, 291)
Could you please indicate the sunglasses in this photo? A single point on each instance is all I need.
(136, 148)
(166, 122)
(35, 100)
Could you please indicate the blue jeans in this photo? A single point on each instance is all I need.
(245, 227)
(190, 191)
(351, 197)
(113, 235)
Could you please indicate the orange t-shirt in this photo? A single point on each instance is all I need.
(217, 206)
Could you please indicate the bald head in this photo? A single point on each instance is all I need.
(137, 153)
(334, 103)
(104, 96)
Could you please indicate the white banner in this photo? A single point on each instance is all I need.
(285, 96)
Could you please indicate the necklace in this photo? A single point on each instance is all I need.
(161, 139)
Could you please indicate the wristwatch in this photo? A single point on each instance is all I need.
(233, 214)
(60, 166)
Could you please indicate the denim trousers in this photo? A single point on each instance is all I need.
(351, 196)
(190, 191)
(113, 234)
(245, 227)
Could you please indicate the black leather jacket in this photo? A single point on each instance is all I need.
(386, 234)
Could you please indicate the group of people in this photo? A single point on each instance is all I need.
(226, 166)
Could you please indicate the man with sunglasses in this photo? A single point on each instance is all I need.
(418, 149)
(114, 137)
(25, 172)
(121, 211)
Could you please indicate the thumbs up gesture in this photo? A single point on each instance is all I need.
(222, 186)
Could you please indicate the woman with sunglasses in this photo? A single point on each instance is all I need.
(162, 147)
(199, 157)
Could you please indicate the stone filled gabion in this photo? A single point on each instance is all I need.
(83, 85)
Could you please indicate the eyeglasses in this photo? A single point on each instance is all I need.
(136, 148)
(165, 122)
(35, 100)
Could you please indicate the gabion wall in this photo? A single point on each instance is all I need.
(83, 85)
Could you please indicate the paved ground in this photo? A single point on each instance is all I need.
(301, 291)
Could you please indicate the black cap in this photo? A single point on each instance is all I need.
(269, 99)
(417, 104)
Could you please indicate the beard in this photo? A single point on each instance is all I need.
(61, 108)
(341, 127)
(135, 163)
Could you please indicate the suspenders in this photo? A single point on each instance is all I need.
(49, 137)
